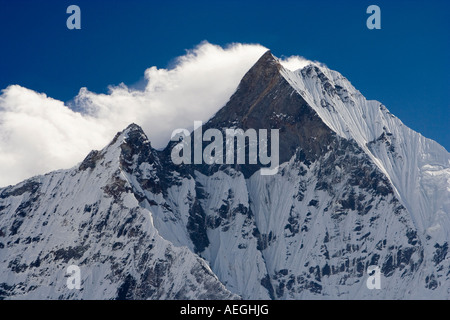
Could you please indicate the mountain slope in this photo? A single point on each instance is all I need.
(88, 216)
(341, 169)
(416, 166)
(355, 188)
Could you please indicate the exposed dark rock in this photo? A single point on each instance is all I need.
(125, 291)
(91, 160)
(196, 227)
(66, 254)
(266, 283)
(30, 186)
(440, 253)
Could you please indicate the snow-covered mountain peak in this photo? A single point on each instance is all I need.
(355, 188)
(133, 134)
(126, 147)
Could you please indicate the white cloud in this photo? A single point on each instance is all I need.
(200, 84)
(39, 134)
(294, 63)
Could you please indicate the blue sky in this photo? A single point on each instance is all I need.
(405, 65)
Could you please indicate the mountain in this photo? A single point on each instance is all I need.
(355, 188)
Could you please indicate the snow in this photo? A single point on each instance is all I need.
(74, 210)
(281, 236)
(419, 169)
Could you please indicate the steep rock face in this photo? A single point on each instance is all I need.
(141, 227)
(90, 216)
(328, 191)
(265, 100)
